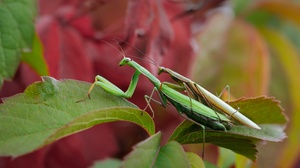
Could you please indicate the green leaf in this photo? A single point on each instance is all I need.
(258, 109)
(145, 151)
(187, 133)
(242, 161)
(195, 160)
(209, 165)
(226, 158)
(148, 153)
(16, 33)
(47, 111)
(171, 155)
(35, 58)
(266, 112)
(107, 163)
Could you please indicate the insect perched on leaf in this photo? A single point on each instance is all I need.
(199, 106)
(199, 93)
(187, 107)
(194, 111)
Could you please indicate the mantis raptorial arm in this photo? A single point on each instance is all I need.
(113, 89)
(174, 86)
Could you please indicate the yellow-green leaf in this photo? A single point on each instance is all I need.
(289, 58)
(35, 59)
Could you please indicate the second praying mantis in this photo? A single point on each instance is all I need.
(202, 95)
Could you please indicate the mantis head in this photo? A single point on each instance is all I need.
(125, 61)
(161, 70)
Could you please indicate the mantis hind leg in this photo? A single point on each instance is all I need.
(148, 99)
(203, 132)
(203, 142)
(226, 90)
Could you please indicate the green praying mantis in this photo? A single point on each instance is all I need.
(195, 111)
(191, 106)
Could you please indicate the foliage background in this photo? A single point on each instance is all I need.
(251, 46)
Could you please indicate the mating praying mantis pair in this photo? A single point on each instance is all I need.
(198, 106)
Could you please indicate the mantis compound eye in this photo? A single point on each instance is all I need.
(161, 70)
(125, 61)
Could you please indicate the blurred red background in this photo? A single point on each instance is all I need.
(72, 33)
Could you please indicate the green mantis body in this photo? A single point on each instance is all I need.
(194, 110)
(202, 95)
